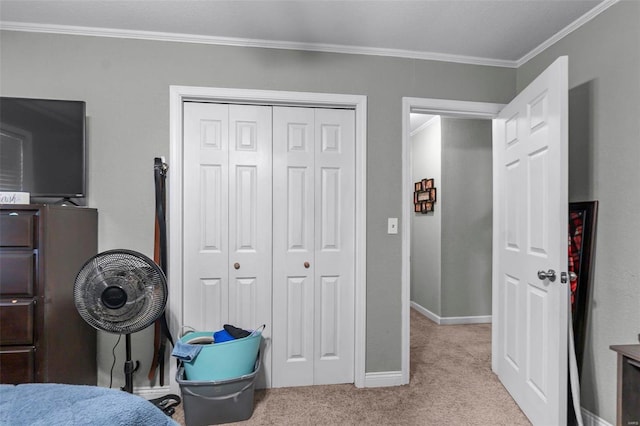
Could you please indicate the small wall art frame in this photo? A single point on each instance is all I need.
(424, 196)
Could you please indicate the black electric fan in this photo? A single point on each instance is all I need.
(121, 292)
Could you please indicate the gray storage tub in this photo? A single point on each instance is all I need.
(216, 402)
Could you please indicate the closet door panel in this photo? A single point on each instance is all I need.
(329, 306)
(205, 213)
(330, 214)
(246, 209)
(212, 307)
(243, 302)
(298, 219)
(297, 339)
(293, 246)
(334, 246)
(250, 221)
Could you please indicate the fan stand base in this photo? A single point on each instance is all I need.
(165, 403)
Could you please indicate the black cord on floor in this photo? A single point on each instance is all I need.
(113, 351)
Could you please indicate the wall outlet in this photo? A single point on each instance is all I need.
(392, 225)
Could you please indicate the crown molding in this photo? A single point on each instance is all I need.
(245, 42)
(566, 31)
(313, 47)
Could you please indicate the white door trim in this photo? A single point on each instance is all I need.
(449, 108)
(180, 94)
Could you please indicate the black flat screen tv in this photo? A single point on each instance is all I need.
(42, 147)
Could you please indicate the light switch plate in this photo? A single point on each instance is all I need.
(392, 225)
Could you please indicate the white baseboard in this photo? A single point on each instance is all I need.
(485, 319)
(383, 379)
(427, 313)
(590, 419)
(148, 392)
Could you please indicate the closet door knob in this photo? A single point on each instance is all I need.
(236, 265)
(307, 264)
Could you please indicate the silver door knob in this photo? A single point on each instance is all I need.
(567, 276)
(549, 275)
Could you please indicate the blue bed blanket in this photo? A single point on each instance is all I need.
(58, 405)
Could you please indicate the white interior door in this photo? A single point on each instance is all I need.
(530, 236)
(314, 251)
(227, 218)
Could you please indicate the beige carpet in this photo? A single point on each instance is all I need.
(451, 383)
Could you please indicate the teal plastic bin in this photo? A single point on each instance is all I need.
(222, 361)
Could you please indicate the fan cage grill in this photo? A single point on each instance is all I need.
(140, 278)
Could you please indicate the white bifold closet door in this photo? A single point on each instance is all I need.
(268, 233)
(227, 217)
(313, 243)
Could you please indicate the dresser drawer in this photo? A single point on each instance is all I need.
(17, 228)
(16, 317)
(17, 365)
(16, 273)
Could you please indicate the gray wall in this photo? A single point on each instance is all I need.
(426, 228)
(604, 165)
(467, 205)
(126, 86)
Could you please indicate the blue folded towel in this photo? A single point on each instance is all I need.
(185, 351)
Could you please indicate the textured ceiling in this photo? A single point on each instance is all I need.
(504, 30)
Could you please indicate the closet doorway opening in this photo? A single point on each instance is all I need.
(177, 264)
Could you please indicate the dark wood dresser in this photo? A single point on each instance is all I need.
(628, 405)
(42, 336)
